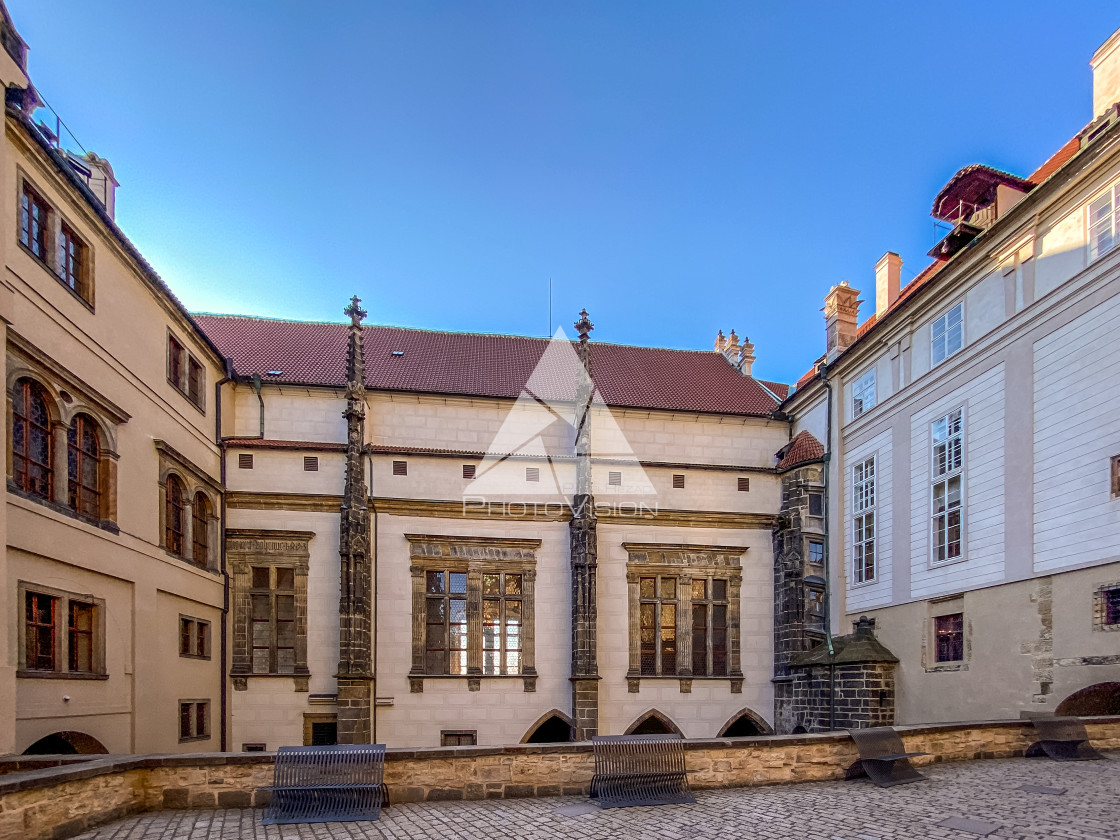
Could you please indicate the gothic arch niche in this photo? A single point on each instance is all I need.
(67, 743)
(653, 723)
(551, 728)
(1100, 699)
(745, 724)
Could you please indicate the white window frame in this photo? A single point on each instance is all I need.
(947, 467)
(863, 393)
(942, 331)
(864, 519)
(1106, 223)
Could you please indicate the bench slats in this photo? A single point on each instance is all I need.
(337, 783)
(883, 756)
(639, 770)
(1063, 739)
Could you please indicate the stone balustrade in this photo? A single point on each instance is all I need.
(52, 803)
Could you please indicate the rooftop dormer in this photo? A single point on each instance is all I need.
(973, 200)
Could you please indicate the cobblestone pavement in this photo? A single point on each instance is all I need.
(985, 791)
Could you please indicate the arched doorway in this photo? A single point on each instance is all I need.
(555, 727)
(745, 724)
(67, 743)
(1100, 699)
(654, 723)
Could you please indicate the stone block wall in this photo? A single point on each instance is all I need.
(60, 802)
(864, 696)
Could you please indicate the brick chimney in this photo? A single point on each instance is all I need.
(888, 280)
(1106, 74)
(841, 314)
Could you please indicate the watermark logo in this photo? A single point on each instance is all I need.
(530, 465)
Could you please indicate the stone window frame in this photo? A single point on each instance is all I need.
(475, 556)
(1100, 607)
(310, 719)
(182, 380)
(194, 702)
(446, 736)
(246, 548)
(959, 473)
(939, 608)
(684, 562)
(194, 629)
(864, 504)
(863, 392)
(67, 396)
(194, 482)
(50, 260)
(61, 634)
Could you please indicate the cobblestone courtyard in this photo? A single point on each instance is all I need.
(981, 791)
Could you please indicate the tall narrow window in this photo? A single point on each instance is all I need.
(72, 261)
(1103, 218)
(273, 605)
(657, 624)
(501, 623)
(31, 439)
(947, 334)
(33, 222)
(83, 467)
(195, 380)
(176, 362)
(947, 490)
(863, 393)
(81, 636)
(709, 627)
(446, 617)
(201, 530)
(40, 631)
(176, 510)
(949, 630)
(863, 524)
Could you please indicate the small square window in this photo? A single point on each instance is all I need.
(1110, 606)
(816, 552)
(194, 720)
(816, 504)
(458, 737)
(949, 637)
(678, 482)
(245, 461)
(400, 468)
(532, 474)
(194, 637)
(744, 485)
(614, 479)
(468, 470)
(311, 463)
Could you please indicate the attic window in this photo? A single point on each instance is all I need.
(311, 463)
(532, 474)
(614, 479)
(400, 468)
(398, 352)
(274, 372)
(744, 485)
(245, 461)
(468, 470)
(678, 482)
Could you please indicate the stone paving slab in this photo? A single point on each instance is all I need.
(980, 791)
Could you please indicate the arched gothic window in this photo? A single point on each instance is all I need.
(175, 516)
(201, 515)
(84, 467)
(32, 461)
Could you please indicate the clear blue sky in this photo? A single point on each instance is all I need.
(676, 168)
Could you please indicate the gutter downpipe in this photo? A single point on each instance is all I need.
(827, 554)
(224, 635)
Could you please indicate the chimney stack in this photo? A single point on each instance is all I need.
(746, 357)
(103, 183)
(1106, 74)
(888, 280)
(720, 342)
(841, 314)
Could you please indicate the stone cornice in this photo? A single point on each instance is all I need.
(497, 542)
(63, 376)
(715, 549)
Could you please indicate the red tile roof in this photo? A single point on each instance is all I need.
(473, 364)
(1057, 160)
(803, 449)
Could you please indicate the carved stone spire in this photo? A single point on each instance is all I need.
(355, 605)
(584, 553)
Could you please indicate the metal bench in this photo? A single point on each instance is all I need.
(883, 756)
(1063, 739)
(338, 783)
(639, 770)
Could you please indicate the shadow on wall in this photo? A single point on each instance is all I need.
(67, 743)
(1099, 699)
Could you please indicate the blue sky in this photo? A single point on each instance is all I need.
(676, 168)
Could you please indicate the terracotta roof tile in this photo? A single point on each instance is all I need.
(803, 449)
(1056, 161)
(481, 365)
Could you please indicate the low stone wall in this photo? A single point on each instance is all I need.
(59, 802)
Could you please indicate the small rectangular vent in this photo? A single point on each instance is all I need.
(678, 482)
(311, 463)
(468, 470)
(400, 468)
(744, 485)
(532, 474)
(614, 479)
(253, 747)
(245, 461)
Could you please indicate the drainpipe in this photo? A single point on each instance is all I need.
(373, 596)
(827, 553)
(223, 631)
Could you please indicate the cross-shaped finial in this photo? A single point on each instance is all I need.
(584, 325)
(355, 312)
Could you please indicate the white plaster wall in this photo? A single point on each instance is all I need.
(290, 413)
(1061, 251)
(985, 307)
(983, 403)
(813, 419)
(1077, 401)
(920, 352)
(281, 471)
(876, 593)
